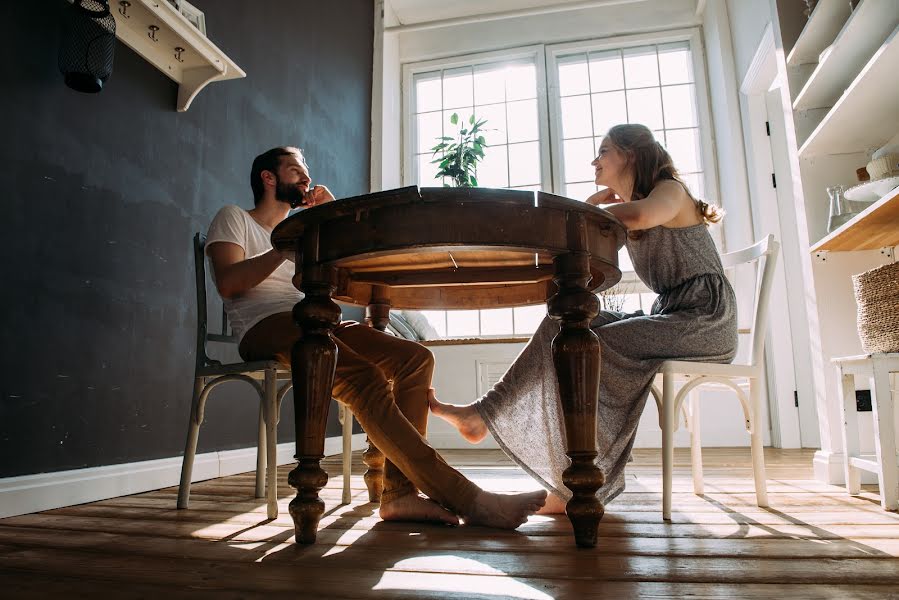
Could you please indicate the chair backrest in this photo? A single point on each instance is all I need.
(203, 334)
(764, 254)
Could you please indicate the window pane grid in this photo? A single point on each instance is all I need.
(507, 92)
(639, 92)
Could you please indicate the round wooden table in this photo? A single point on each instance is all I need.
(450, 248)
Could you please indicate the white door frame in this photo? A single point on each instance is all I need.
(788, 348)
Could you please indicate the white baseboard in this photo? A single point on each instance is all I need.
(828, 468)
(44, 491)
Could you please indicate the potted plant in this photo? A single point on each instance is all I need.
(459, 158)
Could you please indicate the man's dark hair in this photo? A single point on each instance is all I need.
(270, 160)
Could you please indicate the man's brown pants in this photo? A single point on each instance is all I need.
(395, 417)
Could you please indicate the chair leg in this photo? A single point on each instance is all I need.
(271, 441)
(668, 422)
(260, 452)
(190, 448)
(347, 421)
(695, 443)
(884, 436)
(757, 445)
(850, 431)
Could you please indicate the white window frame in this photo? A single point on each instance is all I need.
(535, 52)
(694, 39)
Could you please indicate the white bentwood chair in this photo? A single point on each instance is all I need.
(681, 378)
(264, 376)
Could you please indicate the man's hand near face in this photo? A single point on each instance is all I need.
(317, 195)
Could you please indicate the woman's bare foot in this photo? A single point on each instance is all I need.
(555, 505)
(464, 418)
(413, 507)
(504, 511)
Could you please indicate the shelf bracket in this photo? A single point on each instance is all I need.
(821, 255)
(889, 252)
(194, 80)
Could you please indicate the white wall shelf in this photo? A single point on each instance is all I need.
(867, 114)
(875, 227)
(198, 63)
(822, 27)
(868, 25)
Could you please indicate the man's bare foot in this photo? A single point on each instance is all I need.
(464, 418)
(504, 511)
(555, 505)
(413, 507)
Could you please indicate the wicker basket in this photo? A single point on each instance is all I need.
(877, 295)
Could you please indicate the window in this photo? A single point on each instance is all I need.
(508, 93)
(547, 109)
(652, 84)
(495, 322)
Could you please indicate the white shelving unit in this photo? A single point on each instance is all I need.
(868, 26)
(842, 73)
(165, 38)
(822, 27)
(867, 114)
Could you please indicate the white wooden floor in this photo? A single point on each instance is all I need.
(814, 541)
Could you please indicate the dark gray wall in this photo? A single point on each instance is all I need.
(102, 194)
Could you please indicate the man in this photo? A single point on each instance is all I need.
(254, 280)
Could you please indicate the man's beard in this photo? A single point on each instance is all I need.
(290, 194)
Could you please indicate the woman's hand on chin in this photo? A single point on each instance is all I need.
(606, 196)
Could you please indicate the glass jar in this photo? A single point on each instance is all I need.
(840, 212)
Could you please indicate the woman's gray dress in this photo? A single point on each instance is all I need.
(694, 318)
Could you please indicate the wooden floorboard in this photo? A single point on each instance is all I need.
(814, 541)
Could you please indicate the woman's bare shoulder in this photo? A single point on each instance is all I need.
(677, 192)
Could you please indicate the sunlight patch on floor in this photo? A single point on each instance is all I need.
(460, 585)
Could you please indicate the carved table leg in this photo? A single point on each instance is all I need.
(378, 314)
(374, 476)
(313, 362)
(576, 355)
(378, 310)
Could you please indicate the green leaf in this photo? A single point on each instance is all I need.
(474, 181)
(471, 119)
(454, 118)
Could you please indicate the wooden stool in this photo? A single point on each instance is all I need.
(877, 368)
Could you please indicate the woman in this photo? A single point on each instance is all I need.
(694, 318)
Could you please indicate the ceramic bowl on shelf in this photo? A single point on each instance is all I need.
(871, 191)
(884, 166)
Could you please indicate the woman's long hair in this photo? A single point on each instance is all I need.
(651, 164)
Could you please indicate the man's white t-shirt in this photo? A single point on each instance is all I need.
(275, 294)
